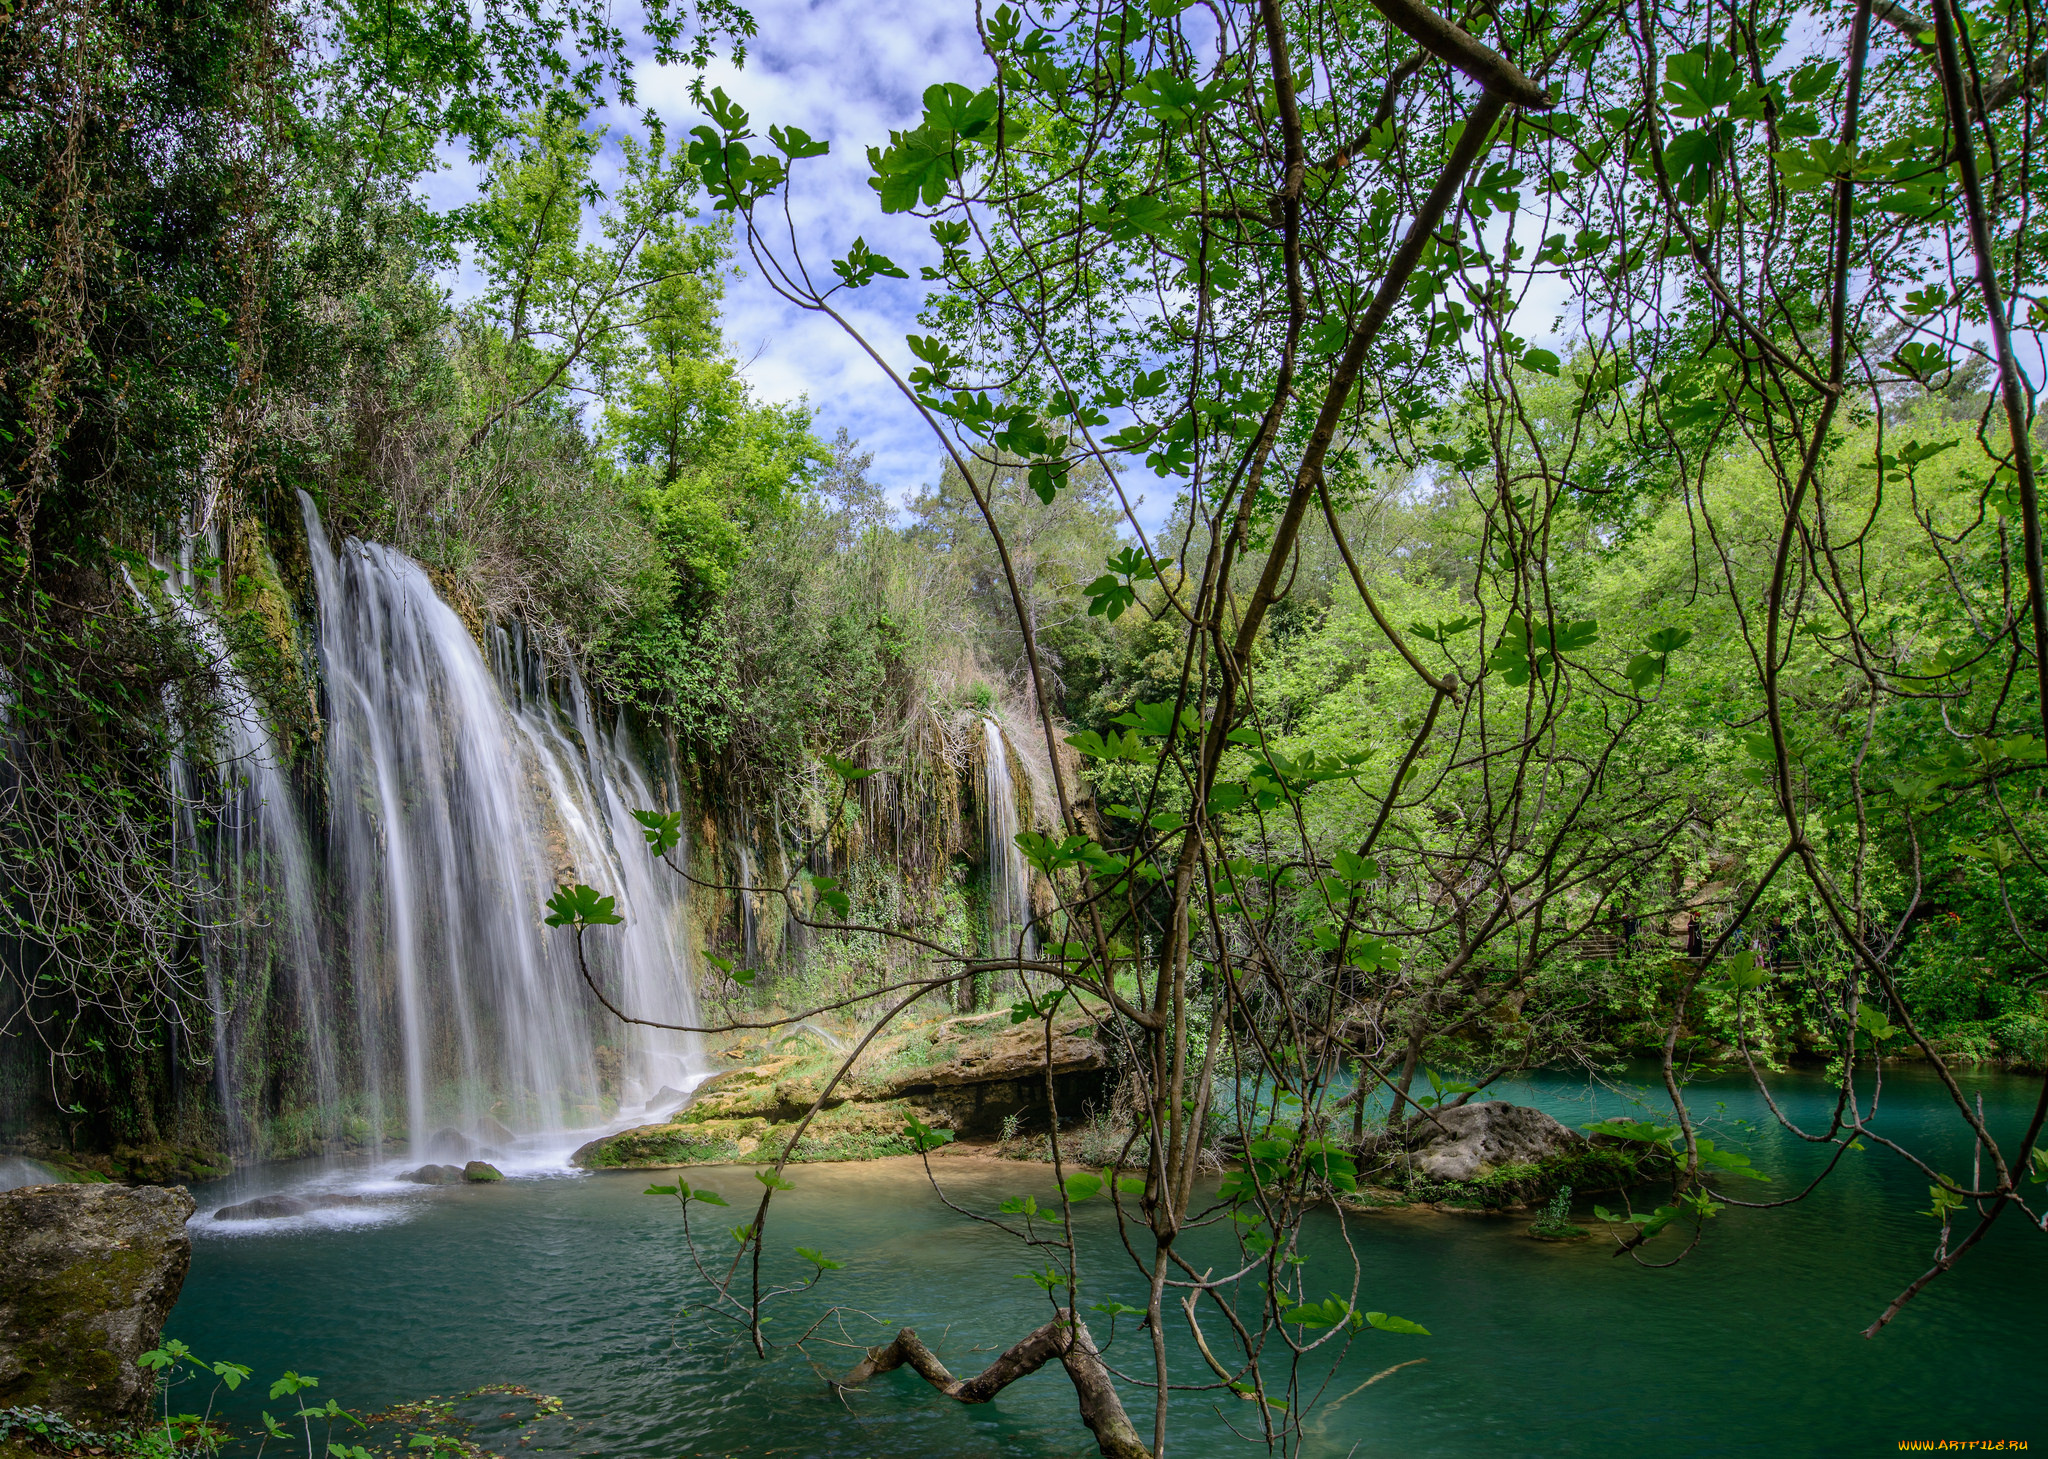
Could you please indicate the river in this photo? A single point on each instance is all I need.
(579, 1285)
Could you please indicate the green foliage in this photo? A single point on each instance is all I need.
(580, 906)
(663, 830)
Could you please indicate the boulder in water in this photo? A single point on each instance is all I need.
(1467, 1141)
(434, 1175)
(264, 1208)
(450, 1141)
(668, 1098)
(87, 1275)
(494, 1132)
(480, 1172)
(273, 1208)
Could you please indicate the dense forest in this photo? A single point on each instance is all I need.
(1601, 612)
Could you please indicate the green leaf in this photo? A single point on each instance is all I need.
(1332, 1313)
(846, 770)
(581, 906)
(1354, 868)
(831, 897)
(862, 264)
(1620, 1127)
(1644, 670)
(1692, 158)
(1542, 362)
(773, 1181)
(1387, 1322)
(817, 1259)
(1699, 82)
(795, 142)
(1924, 362)
(1081, 1185)
(662, 831)
(1743, 973)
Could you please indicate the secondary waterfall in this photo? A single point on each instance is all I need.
(1008, 873)
(459, 798)
(241, 838)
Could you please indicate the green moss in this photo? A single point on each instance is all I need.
(655, 1147)
(1503, 1187)
(67, 1345)
(851, 1131)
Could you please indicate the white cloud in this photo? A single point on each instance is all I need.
(845, 72)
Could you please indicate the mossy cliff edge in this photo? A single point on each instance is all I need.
(977, 1077)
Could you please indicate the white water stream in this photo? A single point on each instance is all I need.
(240, 835)
(459, 799)
(1008, 874)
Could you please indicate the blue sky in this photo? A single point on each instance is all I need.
(846, 71)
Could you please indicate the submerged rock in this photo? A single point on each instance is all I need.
(494, 1131)
(480, 1172)
(87, 1275)
(450, 1141)
(434, 1175)
(264, 1208)
(273, 1208)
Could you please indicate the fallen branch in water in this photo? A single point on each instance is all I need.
(1062, 1338)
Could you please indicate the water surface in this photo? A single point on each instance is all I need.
(581, 1286)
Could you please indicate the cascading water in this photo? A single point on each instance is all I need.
(459, 799)
(240, 833)
(1008, 873)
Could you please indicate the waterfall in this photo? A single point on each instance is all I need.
(239, 832)
(1008, 873)
(461, 793)
(750, 935)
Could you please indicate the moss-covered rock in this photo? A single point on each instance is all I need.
(1494, 1156)
(971, 1076)
(87, 1275)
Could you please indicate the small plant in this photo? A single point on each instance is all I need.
(43, 1426)
(1555, 1223)
(1009, 1131)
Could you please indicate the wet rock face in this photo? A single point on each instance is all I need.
(434, 1175)
(87, 1275)
(1466, 1141)
(480, 1172)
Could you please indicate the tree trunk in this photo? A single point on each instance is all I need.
(1061, 1338)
